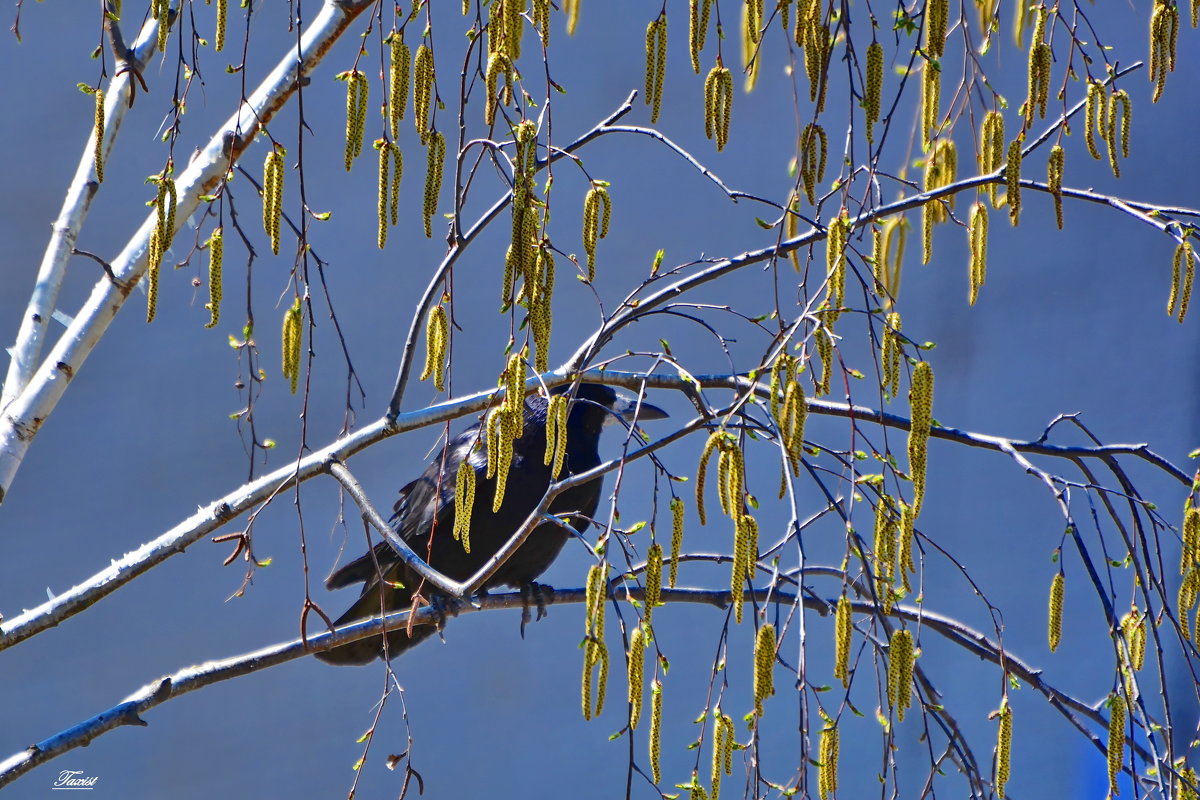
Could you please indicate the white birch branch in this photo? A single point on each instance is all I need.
(24, 416)
(75, 207)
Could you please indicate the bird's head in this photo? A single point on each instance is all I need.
(597, 405)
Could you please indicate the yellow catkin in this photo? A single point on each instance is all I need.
(920, 398)
(595, 652)
(433, 179)
(907, 536)
(884, 546)
(744, 561)
(931, 91)
(937, 13)
(764, 666)
(991, 149)
(718, 102)
(676, 538)
(654, 565)
(498, 64)
(1190, 554)
(893, 354)
(1004, 748)
(814, 147)
(891, 244)
(398, 73)
(1109, 130)
(397, 174)
(978, 233)
(422, 91)
(1116, 742)
(492, 428)
(464, 502)
(825, 351)
(1054, 174)
(795, 416)
(1188, 588)
(713, 440)
(216, 253)
(514, 391)
(873, 93)
(752, 17)
(718, 744)
(571, 9)
(155, 259)
(835, 265)
(98, 136)
(637, 644)
(1188, 781)
(1164, 32)
(900, 672)
(437, 336)
(597, 209)
(1183, 264)
(560, 439)
(293, 334)
(161, 10)
(698, 29)
(541, 19)
(655, 731)
(827, 782)
(384, 190)
(843, 630)
(1092, 113)
(357, 89)
(1057, 592)
(1012, 177)
(273, 195)
(1133, 629)
(222, 19)
(505, 434)
(551, 427)
(656, 63)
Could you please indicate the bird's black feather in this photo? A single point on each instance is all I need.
(424, 518)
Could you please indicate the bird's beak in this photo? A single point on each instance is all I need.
(627, 408)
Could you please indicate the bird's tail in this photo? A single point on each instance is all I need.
(377, 595)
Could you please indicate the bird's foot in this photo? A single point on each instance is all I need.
(535, 593)
(443, 607)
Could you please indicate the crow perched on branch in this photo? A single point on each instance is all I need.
(424, 516)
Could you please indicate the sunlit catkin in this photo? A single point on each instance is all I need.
(745, 558)
(1094, 109)
(1012, 178)
(216, 254)
(920, 398)
(991, 150)
(1190, 554)
(931, 91)
(1004, 747)
(1133, 629)
(1109, 128)
(764, 666)
(900, 672)
(698, 29)
(843, 630)
(937, 14)
(273, 195)
(505, 434)
(595, 652)
(597, 209)
(1183, 264)
(433, 179)
(825, 350)
(656, 63)
(498, 64)
(293, 334)
(398, 74)
(718, 103)
(814, 147)
(437, 337)
(1057, 593)
(655, 731)
(1164, 31)
(835, 265)
(978, 233)
(676, 538)
(98, 136)
(752, 12)
(422, 91)
(892, 355)
(637, 644)
(654, 565)
(222, 20)
(702, 470)
(464, 502)
(873, 93)
(1116, 742)
(571, 9)
(827, 780)
(357, 89)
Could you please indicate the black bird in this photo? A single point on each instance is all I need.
(420, 512)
